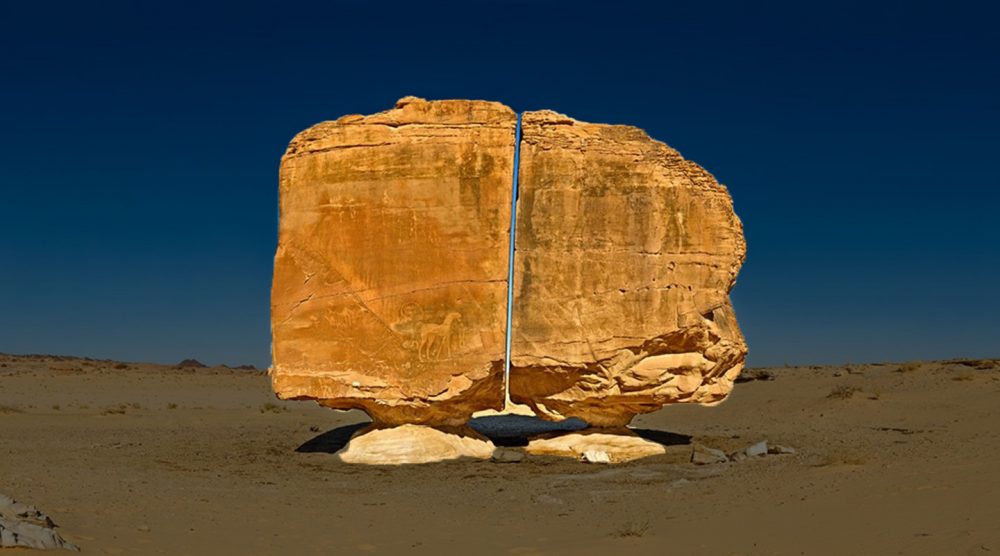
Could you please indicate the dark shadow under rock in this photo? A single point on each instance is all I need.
(332, 440)
(516, 430)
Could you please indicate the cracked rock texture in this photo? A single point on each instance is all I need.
(390, 276)
(626, 253)
(24, 526)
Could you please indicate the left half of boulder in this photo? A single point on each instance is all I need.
(390, 276)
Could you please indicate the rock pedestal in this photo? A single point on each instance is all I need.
(378, 445)
(613, 445)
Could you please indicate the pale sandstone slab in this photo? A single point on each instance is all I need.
(407, 444)
(619, 445)
(389, 290)
(626, 253)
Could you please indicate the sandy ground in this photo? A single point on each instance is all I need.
(891, 459)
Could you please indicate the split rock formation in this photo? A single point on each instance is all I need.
(390, 277)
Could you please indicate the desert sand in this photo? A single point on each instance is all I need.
(129, 458)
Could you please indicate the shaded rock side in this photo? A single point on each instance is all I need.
(389, 290)
(626, 253)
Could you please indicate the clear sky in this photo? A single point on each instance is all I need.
(139, 148)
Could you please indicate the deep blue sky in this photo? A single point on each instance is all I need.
(139, 148)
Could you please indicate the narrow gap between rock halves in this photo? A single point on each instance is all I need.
(510, 261)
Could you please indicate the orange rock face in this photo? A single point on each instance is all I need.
(626, 253)
(390, 277)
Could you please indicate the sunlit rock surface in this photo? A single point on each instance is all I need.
(390, 277)
(405, 444)
(626, 253)
(618, 445)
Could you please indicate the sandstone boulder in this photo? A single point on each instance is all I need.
(596, 446)
(405, 444)
(626, 253)
(390, 277)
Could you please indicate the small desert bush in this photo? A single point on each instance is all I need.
(171, 405)
(120, 410)
(56, 407)
(632, 529)
(843, 392)
(909, 367)
(963, 378)
(272, 408)
(10, 409)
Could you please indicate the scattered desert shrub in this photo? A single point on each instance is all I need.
(632, 529)
(272, 408)
(843, 392)
(120, 410)
(755, 374)
(908, 367)
(963, 378)
(171, 405)
(10, 409)
(56, 407)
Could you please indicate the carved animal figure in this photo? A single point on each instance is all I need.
(437, 338)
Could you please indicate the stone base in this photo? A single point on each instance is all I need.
(619, 444)
(379, 445)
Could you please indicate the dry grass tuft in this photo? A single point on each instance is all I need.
(908, 367)
(10, 409)
(843, 392)
(272, 408)
(632, 529)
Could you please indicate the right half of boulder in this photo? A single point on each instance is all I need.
(625, 256)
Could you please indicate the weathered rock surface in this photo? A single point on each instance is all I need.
(25, 526)
(595, 446)
(626, 253)
(703, 455)
(390, 276)
(415, 444)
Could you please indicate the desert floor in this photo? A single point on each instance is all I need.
(148, 459)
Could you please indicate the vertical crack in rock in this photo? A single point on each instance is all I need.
(510, 259)
(393, 291)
